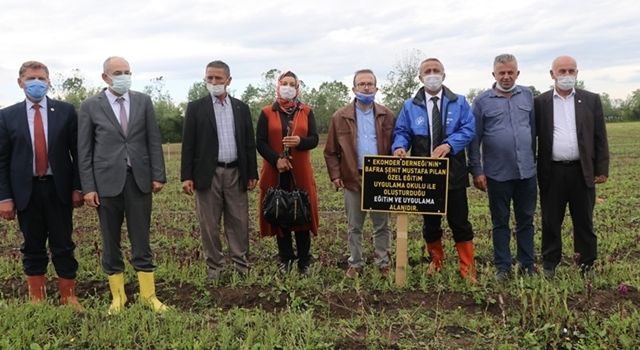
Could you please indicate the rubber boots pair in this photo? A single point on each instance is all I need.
(38, 291)
(147, 292)
(465, 255)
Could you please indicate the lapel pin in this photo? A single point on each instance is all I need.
(579, 101)
(52, 109)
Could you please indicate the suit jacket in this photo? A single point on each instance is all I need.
(16, 152)
(592, 136)
(103, 147)
(200, 143)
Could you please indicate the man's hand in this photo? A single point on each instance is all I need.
(156, 186)
(76, 199)
(338, 183)
(187, 187)
(400, 152)
(8, 210)
(252, 184)
(91, 199)
(480, 182)
(441, 151)
(600, 179)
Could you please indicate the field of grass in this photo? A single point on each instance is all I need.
(325, 310)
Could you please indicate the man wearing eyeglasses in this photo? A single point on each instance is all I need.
(360, 128)
(121, 165)
(219, 165)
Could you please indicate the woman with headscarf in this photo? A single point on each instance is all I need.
(285, 135)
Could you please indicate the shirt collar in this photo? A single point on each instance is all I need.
(42, 103)
(556, 94)
(223, 103)
(112, 98)
(428, 96)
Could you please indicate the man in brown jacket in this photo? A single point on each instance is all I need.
(360, 128)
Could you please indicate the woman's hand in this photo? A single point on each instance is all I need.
(283, 164)
(291, 141)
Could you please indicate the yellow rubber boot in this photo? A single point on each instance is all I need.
(116, 284)
(148, 292)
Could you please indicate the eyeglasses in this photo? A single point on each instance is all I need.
(365, 85)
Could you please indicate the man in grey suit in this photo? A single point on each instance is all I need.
(573, 156)
(121, 164)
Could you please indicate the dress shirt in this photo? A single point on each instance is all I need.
(31, 114)
(565, 136)
(505, 129)
(227, 150)
(367, 142)
(427, 97)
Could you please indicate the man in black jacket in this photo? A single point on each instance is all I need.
(219, 165)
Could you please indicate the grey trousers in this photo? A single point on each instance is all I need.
(225, 197)
(136, 207)
(381, 231)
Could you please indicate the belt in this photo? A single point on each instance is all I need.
(43, 178)
(566, 162)
(228, 165)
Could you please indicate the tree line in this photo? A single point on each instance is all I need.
(400, 84)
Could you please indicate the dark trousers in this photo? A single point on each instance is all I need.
(46, 218)
(567, 187)
(457, 217)
(303, 246)
(136, 207)
(522, 192)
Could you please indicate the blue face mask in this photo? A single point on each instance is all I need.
(36, 89)
(365, 98)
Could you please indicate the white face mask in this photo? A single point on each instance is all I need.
(287, 92)
(216, 90)
(121, 83)
(432, 82)
(566, 82)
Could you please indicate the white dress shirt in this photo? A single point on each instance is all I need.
(31, 114)
(565, 136)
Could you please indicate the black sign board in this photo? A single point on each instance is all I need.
(413, 185)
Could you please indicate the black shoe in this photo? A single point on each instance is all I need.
(503, 275)
(304, 263)
(284, 266)
(549, 273)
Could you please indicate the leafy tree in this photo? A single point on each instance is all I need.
(473, 93)
(72, 88)
(261, 95)
(197, 90)
(535, 91)
(402, 80)
(326, 100)
(168, 115)
(631, 106)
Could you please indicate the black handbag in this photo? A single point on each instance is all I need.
(286, 208)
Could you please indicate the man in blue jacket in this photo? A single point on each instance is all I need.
(438, 123)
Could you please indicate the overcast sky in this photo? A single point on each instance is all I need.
(320, 40)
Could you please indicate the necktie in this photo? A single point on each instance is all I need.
(40, 143)
(123, 115)
(436, 124)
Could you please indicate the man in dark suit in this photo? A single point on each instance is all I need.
(39, 180)
(121, 165)
(219, 164)
(573, 156)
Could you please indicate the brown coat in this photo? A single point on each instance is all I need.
(303, 126)
(340, 152)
